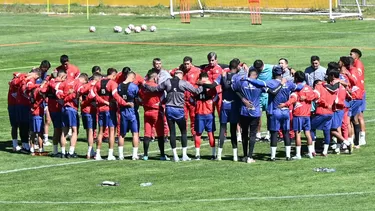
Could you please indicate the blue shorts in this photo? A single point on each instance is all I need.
(56, 118)
(107, 119)
(337, 119)
(37, 124)
(301, 123)
(12, 111)
(174, 113)
(127, 124)
(23, 113)
(89, 121)
(264, 101)
(279, 119)
(230, 112)
(322, 122)
(204, 123)
(363, 108)
(355, 107)
(70, 117)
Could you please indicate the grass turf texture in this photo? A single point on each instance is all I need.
(182, 184)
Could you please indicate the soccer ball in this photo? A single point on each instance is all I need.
(92, 29)
(131, 27)
(117, 29)
(137, 29)
(127, 31)
(153, 29)
(144, 27)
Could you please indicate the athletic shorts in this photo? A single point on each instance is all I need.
(36, 124)
(128, 124)
(322, 122)
(204, 123)
(338, 116)
(174, 113)
(355, 107)
(56, 118)
(301, 123)
(280, 119)
(89, 121)
(23, 113)
(12, 111)
(264, 101)
(70, 117)
(107, 119)
(363, 108)
(154, 119)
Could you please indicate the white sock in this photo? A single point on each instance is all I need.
(63, 150)
(184, 152)
(174, 150)
(313, 144)
(235, 153)
(32, 149)
(311, 149)
(325, 151)
(41, 149)
(239, 137)
(350, 140)
(213, 149)
(98, 153)
(135, 151)
(110, 152)
(287, 151)
(219, 151)
(45, 137)
(71, 150)
(55, 149)
(121, 151)
(273, 152)
(347, 143)
(197, 152)
(298, 151)
(362, 133)
(89, 151)
(259, 135)
(15, 143)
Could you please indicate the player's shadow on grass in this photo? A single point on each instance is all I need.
(6, 146)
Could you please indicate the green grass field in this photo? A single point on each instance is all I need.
(30, 183)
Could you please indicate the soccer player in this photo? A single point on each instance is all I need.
(356, 54)
(204, 117)
(315, 71)
(12, 111)
(68, 93)
(105, 92)
(72, 71)
(174, 110)
(153, 116)
(95, 69)
(214, 70)
(301, 105)
(128, 120)
(288, 71)
(89, 111)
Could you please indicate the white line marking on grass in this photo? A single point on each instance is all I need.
(370, 120)
(73, 163)
(193, 200)
(16, 68)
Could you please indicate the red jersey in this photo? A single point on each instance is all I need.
(20, 84)
(72, 71)
(205, 102)
(340, 99)
(12, 92)
(36, 101)
(70, 99)
(302, 107)
(52, 100)
(120, 77)
(325, 100)
(361, 70)
(106, 91)
(88, 98)
(357, 87)
(150, 100)
(213, 73)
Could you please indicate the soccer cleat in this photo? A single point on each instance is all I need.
(334, 146)
(165, 158)
(57, 155)
(235, 159)
(176, 159)
(296, 158)
(197, 157)
(250, 160)
(186, 158)
(288, 158)
(62, 155)
(47, 143)
(88, 157)
(313, 154)
(145, 157)
(324, 155)
(135, 157)
(244, 159)
(271, 159)
(98, 157)
(74, 155)
(111, 158)
(121, 158)
(357, 147)
(17, 149)
(337, 151)
(218, 158)
(166, 140)
(213, 157)
(310, 156)
(350, 149)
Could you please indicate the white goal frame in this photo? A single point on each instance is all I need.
(331, 14)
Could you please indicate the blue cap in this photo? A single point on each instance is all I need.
(277, 70)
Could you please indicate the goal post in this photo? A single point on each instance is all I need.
(327, 8)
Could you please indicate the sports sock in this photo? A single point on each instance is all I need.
(110, 152)
(98, 153)
(311, 149)
(325, 150)
(213, 149)
(219, 151)
(71, 150)
(121, 152)
(287, 151)
(135, 152)
(15, 143)
(197, 152)
(313, 144)
(63, 150)
(55, 149)
(298, 151)
(175, 156)
(273, 152)
(258, 135)
(184, 151)
(32, 149)
(41, 149)
(89, 151)
(235, 153)
(45, 138)
(239, 137)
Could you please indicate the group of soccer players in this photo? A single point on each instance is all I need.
(332, 100)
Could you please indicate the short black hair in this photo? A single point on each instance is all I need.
(96, 75)
(150, 72)
(314, 58)
(156, 60)
(258, 64)
(351, 60)
(234, 64)
(212, 55)
(45, 64)
(126, 70)
(299, 77)
(346, 61)
(316, 82)
(84, 76)
(357, 51)
(63, 59)
(188, 59)
(334, 73)
(96, 69)
(203, 75)
(111, 70)
(333, 65)
(286, 60)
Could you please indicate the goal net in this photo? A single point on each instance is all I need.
(329, 8)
